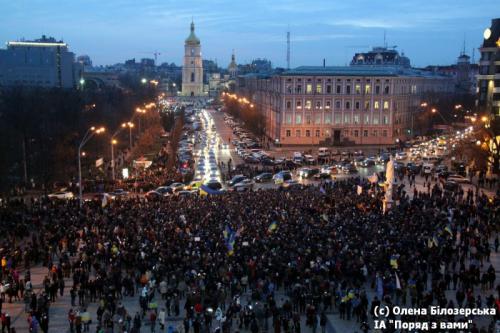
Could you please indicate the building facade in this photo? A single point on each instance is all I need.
(192, 71)
(44, 62)
(488, 79)
(367, 105)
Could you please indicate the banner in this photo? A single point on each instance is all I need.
(99, 162)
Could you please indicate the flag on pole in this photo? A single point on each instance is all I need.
(322, 189)
(359, 189)
(380, 287)
(398, 282)
(104, 200)
(273, 226)
(373, 178)
(394, 262)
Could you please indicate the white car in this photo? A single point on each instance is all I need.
(401, 155)
(458, 179)
(61, 195)
(244, 185)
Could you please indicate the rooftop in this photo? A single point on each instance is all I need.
(359, 71)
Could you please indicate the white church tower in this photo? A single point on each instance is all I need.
(192, 71)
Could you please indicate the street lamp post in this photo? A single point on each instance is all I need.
(113, 143)
(88, 135)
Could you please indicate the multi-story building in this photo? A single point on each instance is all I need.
(44, 62)
(488, 80)
(340, 105)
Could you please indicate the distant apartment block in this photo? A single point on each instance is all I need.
(43, 62)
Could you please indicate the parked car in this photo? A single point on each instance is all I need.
(153, 195)
(177, 187)
(349, 168)
(367, 163)
(119, 193)
(401, 155)
(164, 190)
(308, 172)
(309, 159)
(214, 184)
(458, 179)
(235, 180)
(263, 177)
(323, 152)
(61, 195)
(282, 176)
(244, 185)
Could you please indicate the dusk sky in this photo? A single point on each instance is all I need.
(111, 31)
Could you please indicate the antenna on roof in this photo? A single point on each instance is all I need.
(288, 48)
(463, 52)
(385, 43)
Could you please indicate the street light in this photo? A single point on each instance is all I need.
(88, 135)
(144, 81)
(130, 125)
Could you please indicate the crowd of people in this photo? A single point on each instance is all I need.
(264, 258)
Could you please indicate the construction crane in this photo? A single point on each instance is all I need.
(155, 54)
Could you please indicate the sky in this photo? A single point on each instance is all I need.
(112, 31)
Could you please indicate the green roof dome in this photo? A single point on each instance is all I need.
(192, 39)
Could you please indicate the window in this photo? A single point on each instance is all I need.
(413, 89)
(368, 89)
(348, 105)
(357, 105)
(337, 104)
(339, 89)
(317, 133)
(288, 133)
(317, 119)
(308, 120)
(309, 88)
(192, 76)
(297, 133)
(318, 105)
(356, 133)
(375, 133)
(347, 118)
(357, 88)
(328, 104)
(367, 105)
(386, 105)
(384, 133)
(377, 90)
(328, 89)
(338, 118)
(299, 105)
(348, 90)
(385, 120)
(318, 88)
(192, 52)
(308, 133)
(298, 119)
(288, 105)
(328, 118)
(299, 89)
(375, 120)
(308, 104)
(346, 133)
(376, 105)
(365, 133)
(288, 119)
(288, 88)
(356, 119)
(386, 90)
(367, 119)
